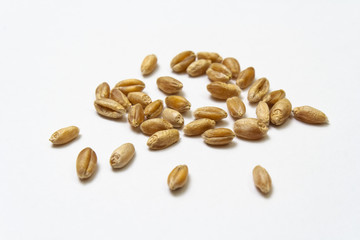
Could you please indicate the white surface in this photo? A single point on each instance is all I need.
(54, 54)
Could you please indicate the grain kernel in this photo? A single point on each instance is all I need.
(250, 128)
(151, 126)
(272, 97)
(136, 115)
(118, 96)
(169, 85)
(154, 109)
(310, 115)
(262, 179)
(122, 155)
(198, 67)
(258, 90)
(86, 163)
(178, 103)
(212, 56)
(139, 97)
(245, 77)
(213, 113)
(109, 108)
(218, 72)
(130, 85)
(280, 112)
(236, 107)
(263, 112)
(222, 90)
(173, 117)
(181, 61)
(163, 139)
(64, 135)
(102, 91)
(149, 64)
(233, 65)
(198, 126)
(218, 136)
(178, 177)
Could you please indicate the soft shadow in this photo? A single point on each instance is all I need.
(227, 146)
(90, 179)
(193, 136)
(66, 144)
(221, 124)
(266, 195)
(123, 119)
(254, 105)
(136, 129)
(125, 167)
(180, 191)
(187, 114)
(180, 74)
(216, 99)
(317, 125)
(172, 145)
(265, 138)
(196, 76)
(180, 93)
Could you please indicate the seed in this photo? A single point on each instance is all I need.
(213, 113)
(198, 67)
(122, 155)
(262, 179)
(86, 163)
(163, 139)
(309, 114)
(245, 77)
(258, 90)
(233, 65)
(272, 97)
(178, 177)
(213, 57)
(222, 90)
(117, 95)
(263, 112)
(218, 72)
(151, 126)
(250, 128)
(169, 85)
(102, 91)
(136, 115)
(181, 61)
(149, 64)
(139, 97)
(199, 126)
(178, 103)
(64, 135)
(130, 85)
(236, 107)
(280, 112)
(173, 117)
(154, 109)
(218, 136)
(109, 108)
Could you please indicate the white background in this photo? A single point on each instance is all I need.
(53, 54)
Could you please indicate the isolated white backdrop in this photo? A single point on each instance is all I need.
(53, 54)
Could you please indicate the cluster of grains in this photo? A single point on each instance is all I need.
(162, 122)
